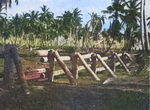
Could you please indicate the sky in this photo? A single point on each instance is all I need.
(58, 7)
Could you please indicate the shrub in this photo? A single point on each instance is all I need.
(69, 49)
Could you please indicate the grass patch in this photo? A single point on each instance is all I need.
(126, 100)
(1, 67)
(45, 99)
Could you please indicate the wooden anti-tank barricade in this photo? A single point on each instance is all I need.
(95, 59)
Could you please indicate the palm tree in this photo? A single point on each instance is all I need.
(33, 18)
(131, 19)
(116, 10)
(96, 23)
(71, 21)
(2, 23)
(8, 1)
(4, 3)
(46, 17)
(15, 25)
(1, 9)
(58, 29)
(3, 26)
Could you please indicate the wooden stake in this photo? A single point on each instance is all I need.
(64, 67)
(123, 58)
(130, 58)
(75, 66)
(51, 65)
(93, 65)
(87, 67)
(126, 69)
(112, 62)
(105, 65)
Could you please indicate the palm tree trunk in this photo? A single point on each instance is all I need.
(83, 41)
(141, 24)
(69, 39)
(146, 32)
(145, 42)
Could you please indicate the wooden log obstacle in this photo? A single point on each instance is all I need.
(12, 64)
(91, 68)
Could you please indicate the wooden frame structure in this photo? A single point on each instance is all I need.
(91, 68)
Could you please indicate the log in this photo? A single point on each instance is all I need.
(51, 65)
(118, 63)
(82, 67)
(120, 54)
(105, 65)
(64, 58)
(112, 62)
(42, 53)
(87, 56)
(64, 67)
(126, 69)
(93, 65)
(123, 58)
(103, 58)
(60, 72)
(21, 75)
(75, 66)
(43, 59)
(40, 70)
(87, 67)
(100, 69)
(130, 58)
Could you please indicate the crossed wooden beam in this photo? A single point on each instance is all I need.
(73, 74)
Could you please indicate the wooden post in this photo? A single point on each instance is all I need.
(126, 69)
(123, 58)
(112, 62)
(74, 66)
(9, 67)
(64, 67)
(93, 65)
(17, 62)
(87, 67)
(106, 66)
(51, 65)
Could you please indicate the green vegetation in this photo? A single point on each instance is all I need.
(41, 30)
